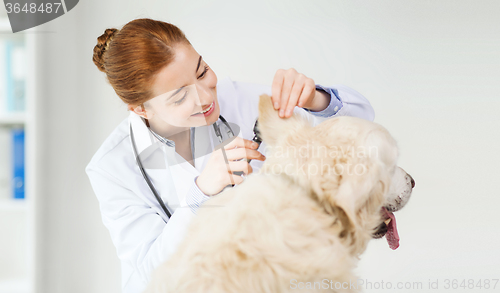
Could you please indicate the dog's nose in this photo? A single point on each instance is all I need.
(411, 180)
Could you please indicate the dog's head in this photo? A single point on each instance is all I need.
(347, 163)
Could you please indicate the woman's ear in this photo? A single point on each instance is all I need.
(139, 110)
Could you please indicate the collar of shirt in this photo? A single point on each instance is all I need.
(171, 143)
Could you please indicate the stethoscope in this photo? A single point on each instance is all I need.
(218, 133)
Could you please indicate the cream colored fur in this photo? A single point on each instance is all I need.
(277, 227)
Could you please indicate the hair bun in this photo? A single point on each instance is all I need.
(101, 47)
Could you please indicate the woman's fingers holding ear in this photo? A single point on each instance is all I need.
(277, 85)
(291, 88)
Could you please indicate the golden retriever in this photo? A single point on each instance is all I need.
(305, 217)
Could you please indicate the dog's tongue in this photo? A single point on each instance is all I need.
(392, 231)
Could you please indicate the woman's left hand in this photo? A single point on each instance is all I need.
(291, 89)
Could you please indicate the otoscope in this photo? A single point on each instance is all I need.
(256, 138)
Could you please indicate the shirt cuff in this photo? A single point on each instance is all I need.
(195, 197)
(332, 108)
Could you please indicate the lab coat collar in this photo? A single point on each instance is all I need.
(145, 142)
(147, 145)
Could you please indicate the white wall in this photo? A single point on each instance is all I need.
(431, 70)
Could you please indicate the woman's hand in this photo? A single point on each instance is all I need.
(217, 174)
(291, 89)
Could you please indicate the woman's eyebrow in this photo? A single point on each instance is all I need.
(199, 61)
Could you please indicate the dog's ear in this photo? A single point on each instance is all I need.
(356, 192)
(272, 127)
(362, 187)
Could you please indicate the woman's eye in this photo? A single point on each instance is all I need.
(204, 71)
(181, 100)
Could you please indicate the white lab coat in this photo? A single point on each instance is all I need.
(139, 228)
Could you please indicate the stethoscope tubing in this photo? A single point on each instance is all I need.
(150, 184)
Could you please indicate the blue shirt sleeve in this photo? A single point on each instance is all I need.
(332, 108)
(195, 197)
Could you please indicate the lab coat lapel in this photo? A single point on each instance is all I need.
(166, 169)
(181, 175)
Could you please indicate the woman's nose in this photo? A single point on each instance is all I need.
(204, 96)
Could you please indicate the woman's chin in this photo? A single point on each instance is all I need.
(213, 117)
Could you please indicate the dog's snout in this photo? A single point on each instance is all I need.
(411, 180)
(400, 190)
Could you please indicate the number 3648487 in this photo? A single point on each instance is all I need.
(470, 284)
(32, 8)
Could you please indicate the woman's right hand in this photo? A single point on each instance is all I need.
(217, 174)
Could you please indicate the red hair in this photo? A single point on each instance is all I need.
(132, 56)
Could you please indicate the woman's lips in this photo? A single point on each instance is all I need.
(207, 107)
(212, 106)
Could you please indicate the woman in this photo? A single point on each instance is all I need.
(175, 100)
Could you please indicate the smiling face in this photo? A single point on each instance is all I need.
(182, 89)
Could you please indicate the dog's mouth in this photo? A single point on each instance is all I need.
(388, 229)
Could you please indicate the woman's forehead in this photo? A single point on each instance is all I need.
(180, 72)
